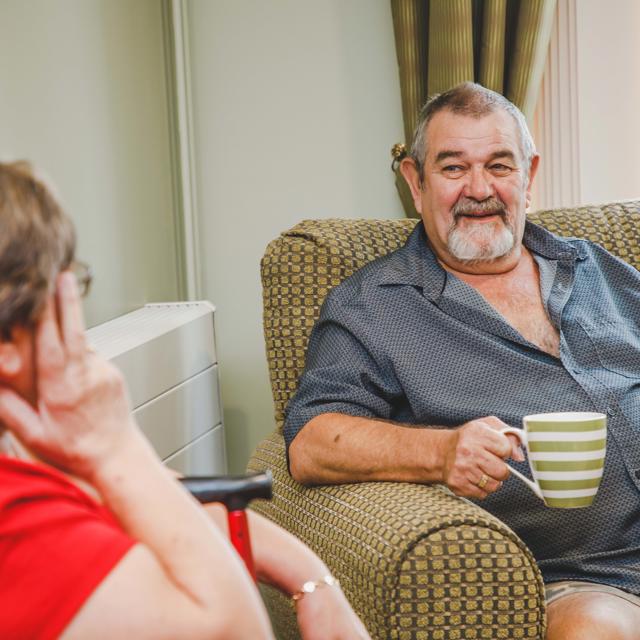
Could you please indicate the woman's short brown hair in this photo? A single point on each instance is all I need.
(37, 241)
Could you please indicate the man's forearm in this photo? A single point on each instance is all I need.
(335, 448)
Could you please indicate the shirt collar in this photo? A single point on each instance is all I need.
(549, 245)
(415, 263)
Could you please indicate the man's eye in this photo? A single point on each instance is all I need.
(500, 169)
(453, 169)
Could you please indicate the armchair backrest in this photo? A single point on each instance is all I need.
(305, 262)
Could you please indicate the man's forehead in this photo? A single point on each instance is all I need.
(492, 154)
(450, 134)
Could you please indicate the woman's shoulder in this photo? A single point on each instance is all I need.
(25, 482)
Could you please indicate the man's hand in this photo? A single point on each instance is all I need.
(82, 414)
(474, 464)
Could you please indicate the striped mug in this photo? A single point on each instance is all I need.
(566, 454)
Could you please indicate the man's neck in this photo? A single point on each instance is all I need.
(479, 274)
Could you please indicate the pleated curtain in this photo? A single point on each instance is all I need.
(501, 44)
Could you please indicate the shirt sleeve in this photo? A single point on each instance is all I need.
(54, 552)
(344, 371)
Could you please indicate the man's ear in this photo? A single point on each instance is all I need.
(533, 169)
(10, 360)
(413, 178)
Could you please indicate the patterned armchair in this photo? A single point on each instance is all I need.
(414, 561)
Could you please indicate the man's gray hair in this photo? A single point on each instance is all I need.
(467, 99)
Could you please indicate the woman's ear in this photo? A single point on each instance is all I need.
(10, 360)
(15, 353)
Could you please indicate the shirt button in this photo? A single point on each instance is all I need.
(612, 413)
(576, 371)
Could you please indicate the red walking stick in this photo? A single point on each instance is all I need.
(235, 492)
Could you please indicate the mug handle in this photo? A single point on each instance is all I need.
(522, 436)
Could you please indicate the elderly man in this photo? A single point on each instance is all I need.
(97, 539)
(480, 319)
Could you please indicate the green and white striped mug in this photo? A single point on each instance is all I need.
(566, 454)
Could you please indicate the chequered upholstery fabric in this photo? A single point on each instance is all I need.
(298, 269)
(414, 561)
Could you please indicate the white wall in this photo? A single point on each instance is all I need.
(296, 105)
(586, 124)
(82, 95)
(608, 99)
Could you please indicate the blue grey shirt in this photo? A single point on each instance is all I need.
(404, 340)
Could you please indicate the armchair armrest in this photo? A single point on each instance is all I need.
(413, 560)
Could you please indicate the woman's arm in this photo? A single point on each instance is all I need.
(284, 561)
(182, 579)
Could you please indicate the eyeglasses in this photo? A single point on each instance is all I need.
(84, 276)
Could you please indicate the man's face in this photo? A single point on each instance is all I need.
(475, 191)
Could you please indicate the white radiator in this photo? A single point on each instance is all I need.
(167, 355)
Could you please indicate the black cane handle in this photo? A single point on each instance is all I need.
(235, 492)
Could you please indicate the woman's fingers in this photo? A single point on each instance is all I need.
(50, 356)
(19, 416)
(71, 317)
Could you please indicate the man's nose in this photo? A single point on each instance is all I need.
(479, 185)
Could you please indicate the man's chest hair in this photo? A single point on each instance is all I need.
(519, 302)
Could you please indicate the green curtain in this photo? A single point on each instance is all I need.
(502, 44)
